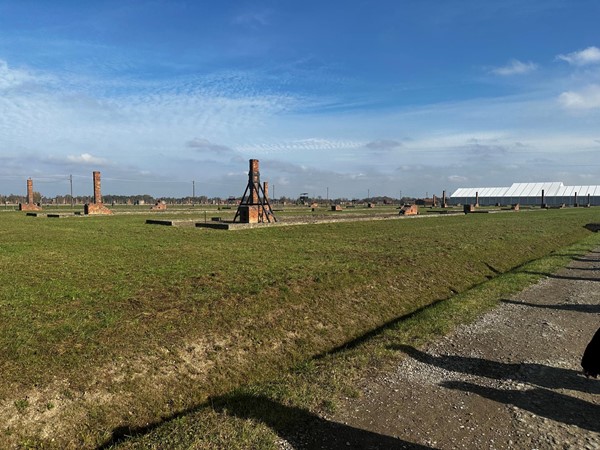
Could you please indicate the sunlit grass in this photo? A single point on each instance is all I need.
(83, 294)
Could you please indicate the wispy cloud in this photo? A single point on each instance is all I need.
(515, 67)
(204, 145)
(86, 159)
(585, 99)
(383, 144)
(319, 144)
(11, 78)
(590, 55)
(253, 19)
(457, 179)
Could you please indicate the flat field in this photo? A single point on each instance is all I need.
(110, 324)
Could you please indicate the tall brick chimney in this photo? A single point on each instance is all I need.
(30, 205)
(97, 192)
(96, 207)
(254, 182)
(30, 191)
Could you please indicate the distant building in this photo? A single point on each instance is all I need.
(425, 202)
(554, 193)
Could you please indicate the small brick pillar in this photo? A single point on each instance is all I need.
(409, 210)
(434, 202)
(575, 204)
(30, 205)
(97, 207)
(266, 188)
(588, 202)
(444, 203)
(476, 199)
(468, 209)
(160, 205)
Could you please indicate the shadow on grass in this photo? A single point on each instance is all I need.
(542, 402)
(301, 428)
(594, 227)
(592, 309)
(538, 374)
(380, 329)
(392, 323)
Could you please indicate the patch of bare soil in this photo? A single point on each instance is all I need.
(510, 380)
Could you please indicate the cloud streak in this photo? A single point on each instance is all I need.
(514, 67)
(205, 146)
(588, 56)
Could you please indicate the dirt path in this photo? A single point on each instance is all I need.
(510, 380)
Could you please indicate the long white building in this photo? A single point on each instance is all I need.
(554, 193)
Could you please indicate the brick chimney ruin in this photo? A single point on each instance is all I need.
(97, 207)
(30, 205)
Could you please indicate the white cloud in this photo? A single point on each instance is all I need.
(86, 159)
(515, 67)
(590, 55)
(10, 78)
(587, 98)
(457, 179)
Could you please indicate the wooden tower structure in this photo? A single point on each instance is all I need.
(255, 206)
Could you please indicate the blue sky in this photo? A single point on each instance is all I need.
(355, 96)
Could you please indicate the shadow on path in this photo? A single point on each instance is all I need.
(592, 309)
(301, 428)
(304, 430)
(560, 277)
(537, 374)
(541, 402)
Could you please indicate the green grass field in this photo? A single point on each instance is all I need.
(110, 324)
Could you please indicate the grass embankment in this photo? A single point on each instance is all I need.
(111, 323)
(257, 416)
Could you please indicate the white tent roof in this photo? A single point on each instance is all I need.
(551, 189)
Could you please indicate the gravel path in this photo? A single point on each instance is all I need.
(510, 380)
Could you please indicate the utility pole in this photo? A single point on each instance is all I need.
(193, 190)
(71, 183)
(328, 194)
(368, 194)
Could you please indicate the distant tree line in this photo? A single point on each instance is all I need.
(202, 199)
